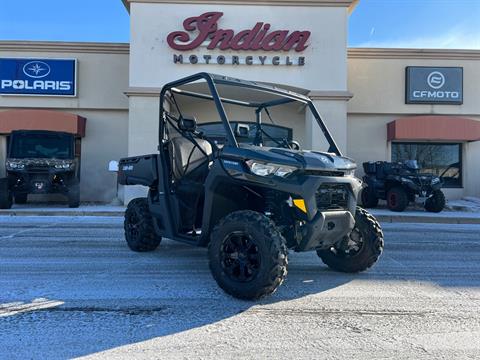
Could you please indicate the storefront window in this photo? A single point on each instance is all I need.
(444, 160)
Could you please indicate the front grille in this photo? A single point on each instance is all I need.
(324, 173)
(332, 197)
(40, 167)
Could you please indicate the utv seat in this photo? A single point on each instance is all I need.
(189, 158)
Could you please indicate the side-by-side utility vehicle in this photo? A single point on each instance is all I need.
(399, 184)
(244, 188)
(40, 162)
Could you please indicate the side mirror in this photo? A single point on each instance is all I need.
(242, 130)
(187, 124)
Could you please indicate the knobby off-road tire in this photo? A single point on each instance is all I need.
(20, 198)
(436, 202)
(73, 195)
(369, 200)
(6, 198)
(397, 199)
(138, 225)
(248, 256)
(367, 251)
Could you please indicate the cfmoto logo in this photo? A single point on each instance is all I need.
(436, 80)
(36, 69)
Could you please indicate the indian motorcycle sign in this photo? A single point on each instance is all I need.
(203, 32)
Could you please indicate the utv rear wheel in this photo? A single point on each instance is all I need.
(360, 250)
(247, 255)
(436, 202)
(397, 199)
(74, 195)
(369, 200)
(21, 198)
(5, 195)
(138, 225)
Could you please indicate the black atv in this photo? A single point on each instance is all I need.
(40, 162)
(399, 184)
(245, 189)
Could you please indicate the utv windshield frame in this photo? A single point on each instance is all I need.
(286, 96)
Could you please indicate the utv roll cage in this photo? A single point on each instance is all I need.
(212, 80)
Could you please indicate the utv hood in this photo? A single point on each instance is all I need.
(304, 159)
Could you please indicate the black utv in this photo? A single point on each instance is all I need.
(399, 184)
(40, 162)
(244, 188)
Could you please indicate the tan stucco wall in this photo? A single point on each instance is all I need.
(102, 79)
(377, 81)
(378, 86)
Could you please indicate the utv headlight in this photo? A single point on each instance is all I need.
(65, 165)
(13, 165)
(435, 181)
(265, 169)
(350, 172)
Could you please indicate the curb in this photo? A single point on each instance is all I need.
(380, 218)
(427, 220)
(60, 213)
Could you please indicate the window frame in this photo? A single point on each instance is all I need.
(460, 157)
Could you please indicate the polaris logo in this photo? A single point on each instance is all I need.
(36, 85)
(36, 69)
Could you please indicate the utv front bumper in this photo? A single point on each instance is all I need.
(326, 229)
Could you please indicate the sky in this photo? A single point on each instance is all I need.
(449, 24)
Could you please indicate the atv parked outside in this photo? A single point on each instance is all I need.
(245, 189)
(399, 184)
(40, 162)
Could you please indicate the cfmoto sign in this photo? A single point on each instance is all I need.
(434, 85)
(436, 80)
(37, 77)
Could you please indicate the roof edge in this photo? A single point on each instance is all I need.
(350, 4)
(411, 53)
(61, 46)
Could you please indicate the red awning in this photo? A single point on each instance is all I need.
(434, 128)
(41, 120)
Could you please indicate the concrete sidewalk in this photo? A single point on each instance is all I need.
(63, 210)
(383, 215)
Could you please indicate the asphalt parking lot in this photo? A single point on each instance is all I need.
(69, 287)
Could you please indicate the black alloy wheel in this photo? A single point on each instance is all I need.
(240, 257)
(248, 256)
(138, 225)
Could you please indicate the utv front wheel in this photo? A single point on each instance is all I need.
(436, 202)
(6, 199)
(360, 250)
(247, 255)
(397, 199)
(138, 225)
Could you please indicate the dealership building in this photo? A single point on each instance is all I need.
(379, 104)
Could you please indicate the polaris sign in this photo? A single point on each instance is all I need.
(53, 77)
(434, 85)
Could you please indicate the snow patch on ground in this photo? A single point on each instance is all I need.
(468, 203)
